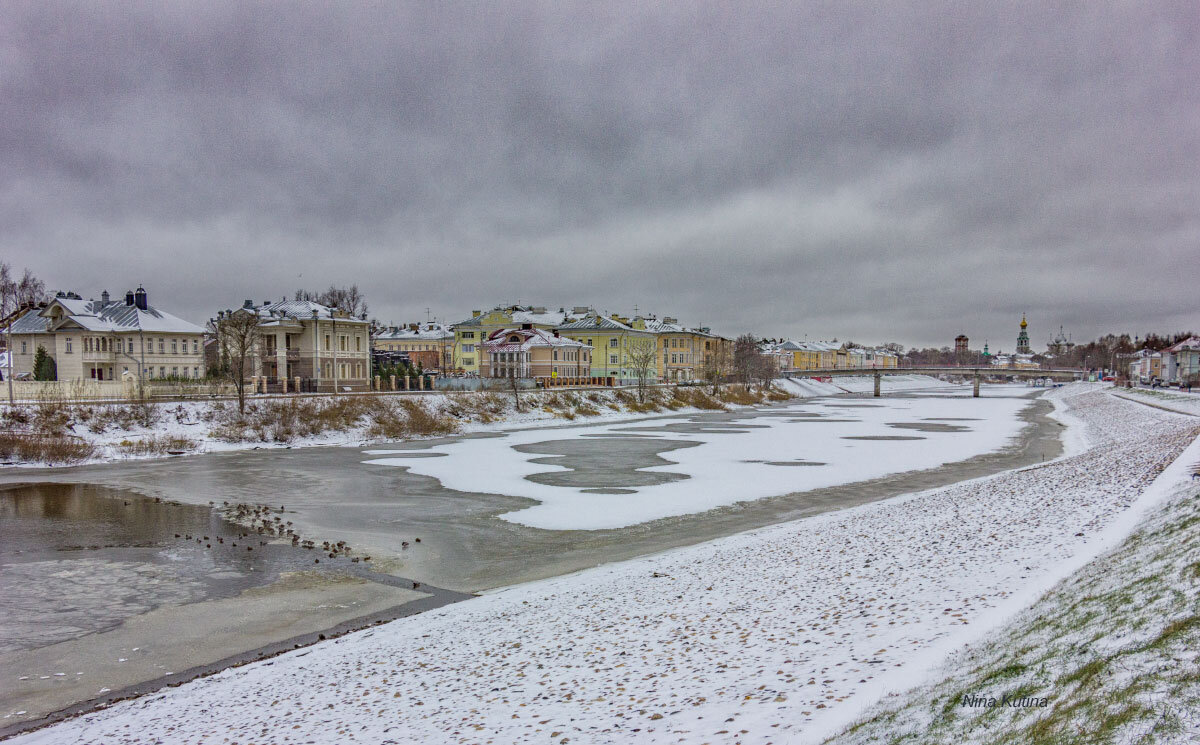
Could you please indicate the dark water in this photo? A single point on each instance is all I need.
(78, 559)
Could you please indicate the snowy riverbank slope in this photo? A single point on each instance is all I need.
(778, 635)
(1110, 655)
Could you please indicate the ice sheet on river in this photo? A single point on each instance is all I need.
(727, 461)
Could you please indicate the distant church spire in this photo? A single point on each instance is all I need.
(1023, 337)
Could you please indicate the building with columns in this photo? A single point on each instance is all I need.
(307, 346)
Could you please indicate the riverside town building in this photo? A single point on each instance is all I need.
(306, 346)
(108, 339)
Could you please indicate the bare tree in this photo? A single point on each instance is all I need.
(642, 354)
(746, 362)
(238, 336)
(348, 299)
(15, 295)
(765, 369)
(717, 365)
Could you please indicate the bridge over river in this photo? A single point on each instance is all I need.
(977, 373)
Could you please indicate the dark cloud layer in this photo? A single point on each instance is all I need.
(853, 170)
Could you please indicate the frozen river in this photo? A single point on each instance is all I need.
(503, 507)
(101, 583)
(618, 475)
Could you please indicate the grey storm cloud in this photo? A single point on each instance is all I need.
(874, 171)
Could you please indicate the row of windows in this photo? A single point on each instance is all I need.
(126, 346)
(411, 347)
(176, 372)
(344, 369)
(571, 355)
(344, 343)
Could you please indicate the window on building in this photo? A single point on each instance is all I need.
(162, 372)
(327, 347)
(468, 334)
(357, 343)
(195, 372)
(468, 361)
(196, 346)
(174, 347)
(612, 358)
(612, 342)
(24, 347)
(468, 349)
(68, 345)
(174, 372)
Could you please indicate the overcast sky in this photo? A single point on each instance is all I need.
(832, 170)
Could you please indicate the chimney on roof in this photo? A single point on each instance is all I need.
(104, 297)
(580, 310)
(476, 313)
(140, 299)
(527, 327)
(249, 304)
(129, 297)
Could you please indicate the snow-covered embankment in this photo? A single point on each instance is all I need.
(778, 635)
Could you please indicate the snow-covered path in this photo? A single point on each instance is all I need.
(777, 635)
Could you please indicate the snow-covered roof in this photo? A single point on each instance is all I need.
(501, 340)
(424, 332)
(1192, 342)
(660, 326)
(596, 323)
(301, 310)
(111, 316)
(522, 314)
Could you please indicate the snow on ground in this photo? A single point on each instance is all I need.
(777, 635)
(1175, 400)
(1112, 654)
(833, 441)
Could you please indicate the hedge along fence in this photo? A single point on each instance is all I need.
(114, 390)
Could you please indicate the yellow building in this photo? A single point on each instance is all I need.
(469, 334)
(615, 343)
(680, 350)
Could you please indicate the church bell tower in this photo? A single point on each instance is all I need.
(1023, 338)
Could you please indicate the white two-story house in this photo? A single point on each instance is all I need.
(108, 339)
